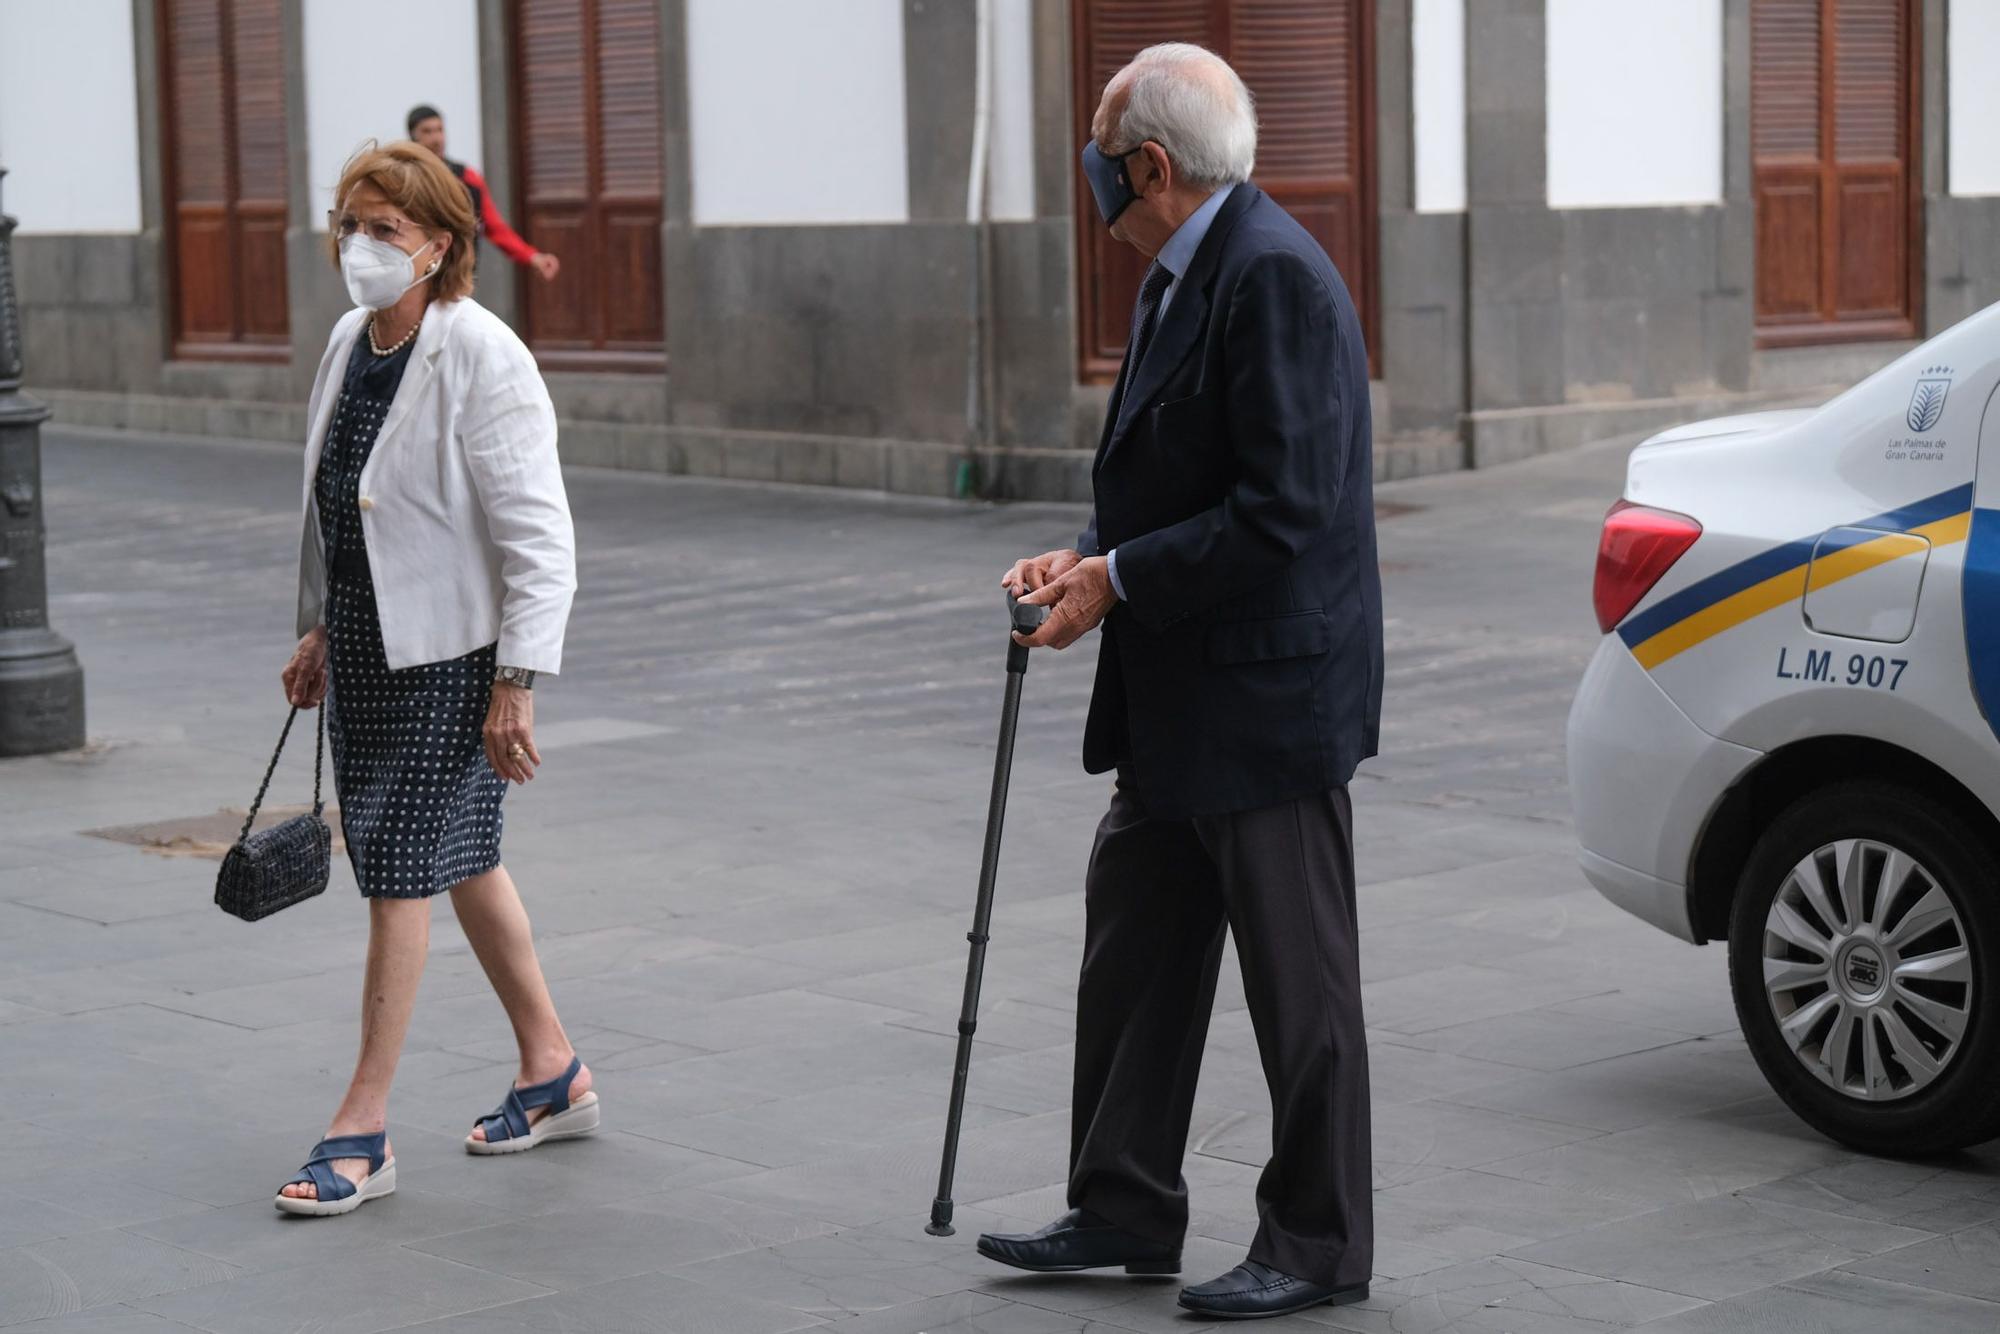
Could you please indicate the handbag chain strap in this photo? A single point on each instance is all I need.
(319, 758)
(319, 753)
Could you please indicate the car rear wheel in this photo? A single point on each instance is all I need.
(1863, 948)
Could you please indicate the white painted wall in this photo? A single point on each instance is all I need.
(1437, 49)
(69, 123)
(1011, 173)
(1634, 102)
(366, 67)
(796, 111)
(1972, 82)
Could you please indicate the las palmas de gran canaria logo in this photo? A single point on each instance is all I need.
(1927, 399)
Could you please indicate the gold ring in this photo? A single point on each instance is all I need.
(517, 751)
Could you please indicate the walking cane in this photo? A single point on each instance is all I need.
(1025, 618)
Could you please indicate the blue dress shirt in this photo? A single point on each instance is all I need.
(1174, 257)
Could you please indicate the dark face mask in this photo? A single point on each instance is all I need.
(1109, 185)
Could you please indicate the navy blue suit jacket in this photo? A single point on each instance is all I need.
(1234, 477)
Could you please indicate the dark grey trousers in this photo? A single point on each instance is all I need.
(1159, 895)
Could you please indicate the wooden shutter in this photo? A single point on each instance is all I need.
(257, 91)
(590, 150)
(198, 177)
(555, 151)
(1833, 116)
(1309, 65)
(631, 184)
(1305, 63)
(226, 178)
(1108, 34)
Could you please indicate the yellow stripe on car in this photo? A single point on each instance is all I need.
(1790, 585)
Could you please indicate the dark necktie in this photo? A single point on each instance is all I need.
(1145, 314)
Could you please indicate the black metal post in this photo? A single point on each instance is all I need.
(41, 681)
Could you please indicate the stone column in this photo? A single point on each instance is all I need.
(41, 682)
(1512, 239)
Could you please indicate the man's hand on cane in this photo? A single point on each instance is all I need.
(1030, 574)
(1078, 601)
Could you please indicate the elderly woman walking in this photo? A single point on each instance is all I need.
(435, 582)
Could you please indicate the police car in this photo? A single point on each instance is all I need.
(1789, 737)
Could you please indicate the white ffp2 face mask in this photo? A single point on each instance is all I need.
(377, 273)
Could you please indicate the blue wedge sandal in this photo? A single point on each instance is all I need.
(338, 1195)
(508, 1129)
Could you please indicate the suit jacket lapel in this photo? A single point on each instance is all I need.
(1169, 348)
(328, 391)
(1180, 328)
(423, 363)
(1114, 407)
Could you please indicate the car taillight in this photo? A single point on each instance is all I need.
(1639, 544)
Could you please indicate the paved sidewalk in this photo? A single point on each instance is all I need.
(751, 860)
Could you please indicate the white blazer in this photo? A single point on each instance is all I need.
(462, 501)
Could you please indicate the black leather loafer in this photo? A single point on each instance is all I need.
(1252, 1291)
(1077, 1241)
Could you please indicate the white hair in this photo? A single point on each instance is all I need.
(1188, 100)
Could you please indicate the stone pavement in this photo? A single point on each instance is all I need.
(751, 860)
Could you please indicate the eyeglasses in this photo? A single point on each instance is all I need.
(389, 231)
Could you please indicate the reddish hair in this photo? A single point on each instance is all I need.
(418, 183)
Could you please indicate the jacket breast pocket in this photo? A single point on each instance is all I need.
(1196, 419)
(1299, 634)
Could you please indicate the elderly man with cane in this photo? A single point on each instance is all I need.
(1231, 562)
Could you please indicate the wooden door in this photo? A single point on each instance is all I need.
(223, 94)
(1310, 65)
(1833, 118)
(590, 165)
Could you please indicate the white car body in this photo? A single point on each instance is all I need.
(1820, 614)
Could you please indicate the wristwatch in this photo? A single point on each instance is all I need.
(514, 676)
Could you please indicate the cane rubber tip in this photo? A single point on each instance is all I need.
(941, 1230)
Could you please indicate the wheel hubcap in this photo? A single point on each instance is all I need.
(1868, 970)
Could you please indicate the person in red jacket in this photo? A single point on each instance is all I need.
(426, 126)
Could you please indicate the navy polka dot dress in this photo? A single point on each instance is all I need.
(419, 804)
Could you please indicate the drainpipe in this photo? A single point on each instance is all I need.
(978, 214)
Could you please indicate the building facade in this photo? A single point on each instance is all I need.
(842, 241)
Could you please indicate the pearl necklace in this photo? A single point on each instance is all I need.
(397, 346)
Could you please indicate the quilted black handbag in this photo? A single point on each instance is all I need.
(285, 864)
